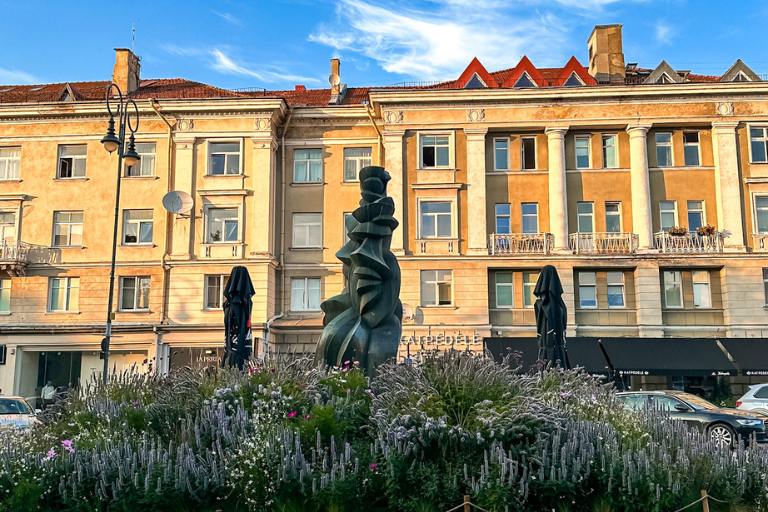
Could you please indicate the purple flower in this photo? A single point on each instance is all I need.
(68, 445)
(566, 394)
(50, 455)
(373, 466)
(292, 414)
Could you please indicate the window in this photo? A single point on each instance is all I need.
(503, 225)
(305, 294)
(691, 148)
(307, 230)
(435, 151)
(610, 160)
(5, 295)
(529, 283)
(72, 161)
(67, 229)
(214, 290)
(663, 149)
(63, 293)
(223, 158)
(695, 215)
(505, 291)
(436, 287)
(222, 225)
(761, 213)
(613, 217)
(7, 227)
(585, 217)
(10, 160)
(702, 297)
(501, 154)
(615, 289)
(758, 138)
(134, 293)
(354, 160)
(573, 81)
(137, 227)
(765, 284)
(307, 165)
(762, 392)
(667, 214)
(530, 212)
(673, 289)
(146, 167)
(528, 148)
(436, 219)
(524, 81)
(587, 290)
(582, 151)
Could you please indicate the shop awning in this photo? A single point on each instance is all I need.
(749, 354)
(582, 352)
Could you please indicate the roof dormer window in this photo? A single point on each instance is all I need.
(664, 79)
(573, 81)
(524, 81)
(475, 83)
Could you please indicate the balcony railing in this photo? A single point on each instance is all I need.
(14, 256)
(603, 243)
(688, 243)
(521, 243)
(760, 242)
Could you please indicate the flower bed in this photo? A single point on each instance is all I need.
(416, 438)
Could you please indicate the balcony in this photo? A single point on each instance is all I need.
(689, 242)
(603, 243)
(760, 242)
(521, 243)
(15, 256)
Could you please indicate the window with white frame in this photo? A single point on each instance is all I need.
(436, 219)
(5, 295)
(505, 290)
(691, 155)
(307, 230)
(529, 284)
(528, 153)
(613, 217)
(146, 166)
(134, 293)
(308, 165)
(702, 295)
(758, 143)
(765, 285)
(63, 293)
(587, 290)
(222, 225)
(72, 158)
(501, 154)
(581, 143)
(137, 227)
(663, 149)
(615, 289)
(305, 294)
(610, 155)
(673, 289)
(503, 214)
(223, 158)
(436, 287)
(585, 217)
(7, 227)
(667, 214)
(68, 229)
(761, 214)
(435, 151)
(354, 160)
(10, 161)
(215, 284)
(695, 215)
(530, 214)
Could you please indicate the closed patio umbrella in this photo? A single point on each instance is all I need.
(237, 318)
(551, 318)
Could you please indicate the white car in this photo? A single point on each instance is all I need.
(756, 399)
(15, 412)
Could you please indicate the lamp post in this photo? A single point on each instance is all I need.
(116, 142)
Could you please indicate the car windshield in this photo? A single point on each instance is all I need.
(14, 406)
(696, 401)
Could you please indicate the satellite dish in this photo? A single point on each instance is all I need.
(178, 202)
(408, 312)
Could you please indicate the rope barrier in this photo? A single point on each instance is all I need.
(704, 496)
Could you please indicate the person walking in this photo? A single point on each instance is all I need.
(47, 394)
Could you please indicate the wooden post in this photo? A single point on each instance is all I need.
(704, 501)
(467, 508)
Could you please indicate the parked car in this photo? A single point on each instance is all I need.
(16, 412)
(724, 426)
(756, 399)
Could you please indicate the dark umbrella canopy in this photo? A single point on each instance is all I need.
(237, 318)
(551, 317)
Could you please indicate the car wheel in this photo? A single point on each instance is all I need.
(722, 435)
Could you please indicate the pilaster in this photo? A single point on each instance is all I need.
(730, 213)
(184, 181)
(477, 242)
(558, 195)
(393, 163)
(640, 193)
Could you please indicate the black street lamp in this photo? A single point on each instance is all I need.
(112, 142)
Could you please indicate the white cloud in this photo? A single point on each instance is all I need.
(223, 63)
(17, 77)
(228, 18)
(664, 33)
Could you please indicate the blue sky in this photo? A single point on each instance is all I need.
(279, 43)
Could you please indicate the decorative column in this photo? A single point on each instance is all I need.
(642, 223)
(393, 163)
(477, 242)
(558, 195)
(730, 213)
(183, 180)
(264, 190)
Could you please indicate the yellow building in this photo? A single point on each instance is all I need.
(646, 188)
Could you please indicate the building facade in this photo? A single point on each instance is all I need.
(646, 188)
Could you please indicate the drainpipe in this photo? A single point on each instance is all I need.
(380, 137)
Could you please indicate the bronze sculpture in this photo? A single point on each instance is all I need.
(364, 322)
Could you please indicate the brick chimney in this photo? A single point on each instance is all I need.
(606, 56)
(126, 73)
(337, 88)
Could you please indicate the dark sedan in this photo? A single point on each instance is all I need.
(724, 426)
